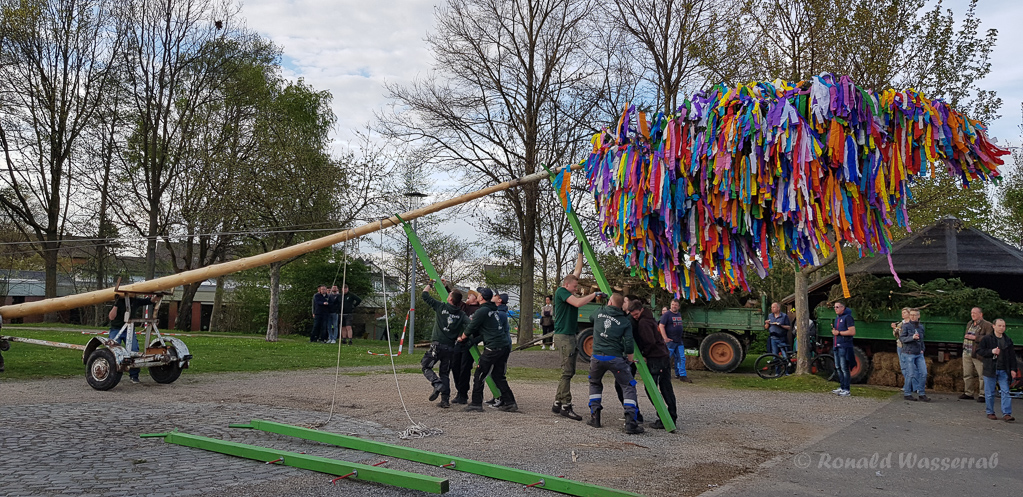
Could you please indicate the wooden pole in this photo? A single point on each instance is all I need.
(211, 272)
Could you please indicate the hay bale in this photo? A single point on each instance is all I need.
(952, 368)
(874, 378)
(886, 378)
(944, 383)
(960, 384)
(886, 361)
(695, 363)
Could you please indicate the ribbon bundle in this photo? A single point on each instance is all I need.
(738, 172)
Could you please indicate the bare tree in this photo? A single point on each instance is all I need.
(54, 72)
(512, 90)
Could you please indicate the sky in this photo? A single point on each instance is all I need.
(353, 48)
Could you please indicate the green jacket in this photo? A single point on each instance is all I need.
(612, 332)
(485, 323)
(449, 323)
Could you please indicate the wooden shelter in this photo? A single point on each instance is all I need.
(945, 249)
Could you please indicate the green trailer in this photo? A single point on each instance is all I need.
(722, 336)
(943, 337)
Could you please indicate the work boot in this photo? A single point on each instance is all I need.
(685, 379)
(925, 398)
(965, 397)
(594, 418)
(473, 408)
(632, 427)
(444, 402)
(909, 398)
(509, 407)
(566, 411)
(460, 399)
(639, 416)
(556, 408)
(657, 425)
(436, 391)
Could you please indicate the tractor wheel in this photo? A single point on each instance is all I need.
(166, 373)
(861, 366)
(101, 370)
(584, 345)
(721, 352)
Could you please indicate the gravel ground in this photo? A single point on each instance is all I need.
(722, 434)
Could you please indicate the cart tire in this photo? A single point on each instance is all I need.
(721, 352)
(101, 370)
(584, 345)
(861, 367)
(167, 373)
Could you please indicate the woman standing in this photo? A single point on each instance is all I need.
(547, 322)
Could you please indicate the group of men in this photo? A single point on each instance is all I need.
(989, 363)
(618, 326)
(332, 314)
(458, 325)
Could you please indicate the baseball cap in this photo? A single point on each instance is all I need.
(504, 298)
(486, 294)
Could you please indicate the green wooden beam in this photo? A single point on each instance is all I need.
(524, 477)
(363, 472)
(598, 274)
(443, 292)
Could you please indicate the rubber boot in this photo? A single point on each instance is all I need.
(595, 418)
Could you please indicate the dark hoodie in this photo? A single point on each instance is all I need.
(648, 337)
(486, 324)
(450, 320)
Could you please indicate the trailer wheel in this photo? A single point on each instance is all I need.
(5, 345)
(584, 345)
(861, 368)
(101, 370)
(167, 373)
(721, 352)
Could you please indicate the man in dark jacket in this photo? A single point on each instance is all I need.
(843, 329)
(485, 325)
(321, 312)
(348, 304)
(612, 351)
(999, 365)
(334, 311)
(658, 360)
(461, 361)
(911, 356)
(448, 325)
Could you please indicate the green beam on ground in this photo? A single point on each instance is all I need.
(363, 472)
(495, 471)
(437, 285)
(648, 380)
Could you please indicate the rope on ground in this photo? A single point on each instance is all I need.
(415, 430)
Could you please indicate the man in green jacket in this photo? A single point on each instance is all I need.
(448, 325)
(612, 351)
(494, 359)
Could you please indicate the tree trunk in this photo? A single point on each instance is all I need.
(50, 248)
(272, 325)
(528, 265)
(154, 219)
(802, 323)
(184, 319)
(218, 303)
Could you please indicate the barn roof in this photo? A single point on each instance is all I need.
(946, 249)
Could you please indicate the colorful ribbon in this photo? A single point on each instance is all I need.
(737, 174)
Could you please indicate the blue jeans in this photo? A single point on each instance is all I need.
(844, 359)
(122, 339)
(332, 326)
(1002, 378)
(914, 371)
(677, 351)
(775, 344)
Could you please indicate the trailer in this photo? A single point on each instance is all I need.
(722, 337)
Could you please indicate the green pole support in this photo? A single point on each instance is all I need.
(524, 477)
(443, 292)
(598, 274)
(356, 471)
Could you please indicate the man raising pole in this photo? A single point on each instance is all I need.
(566, 325)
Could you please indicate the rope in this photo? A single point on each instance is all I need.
(337, 367)
(415, 430)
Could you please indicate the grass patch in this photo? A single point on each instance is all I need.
(794, 383)
(211, 354)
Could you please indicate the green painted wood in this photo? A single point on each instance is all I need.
(365, 472)
(553, 483)
(443, 292)
(598, 274)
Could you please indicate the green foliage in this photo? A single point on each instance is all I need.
(873, 296)
(299, 281)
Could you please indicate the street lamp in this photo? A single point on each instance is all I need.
(412, 276)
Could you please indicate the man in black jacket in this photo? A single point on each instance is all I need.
(348, 304)
(321, 312)
(450, 320)
(494, 359)
(658, 360)
(999, 364)
(334, 312)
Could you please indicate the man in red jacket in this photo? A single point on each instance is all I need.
(658, 361)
